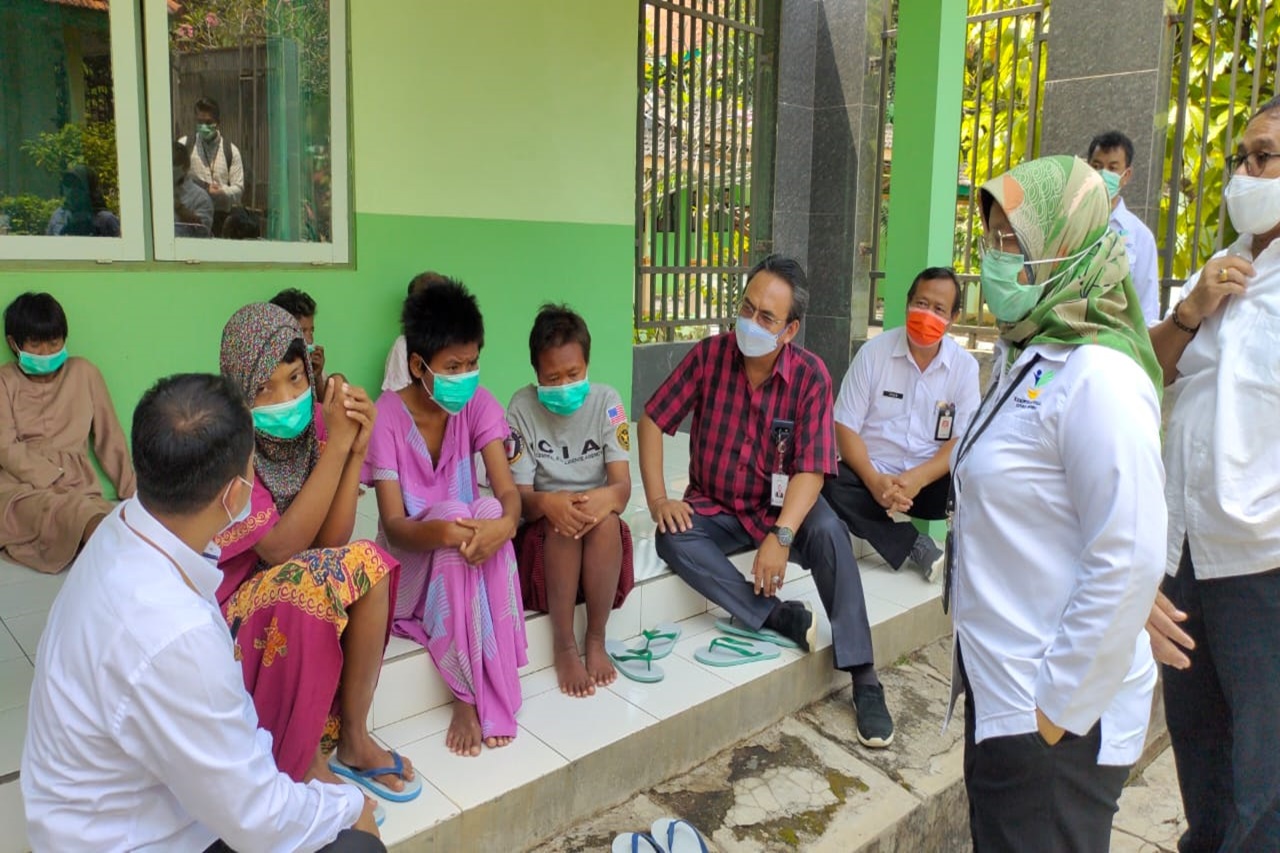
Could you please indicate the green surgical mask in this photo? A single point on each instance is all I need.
(41, 365)
(452, 391)
(1008, 299)
(1112, 180)
(207, 131)
(284, 420)
(564, 399)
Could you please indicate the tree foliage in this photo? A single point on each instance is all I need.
(93, 144)
(1233, 43)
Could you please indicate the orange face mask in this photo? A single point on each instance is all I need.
(924, 327)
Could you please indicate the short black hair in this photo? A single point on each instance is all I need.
(35, 318)
(424, 280)
(181, 156)
(297, 351)
(240, 224)
(932, 273)
(192, 433)
(555, 326)
(790, 271)
(443, 315)
(296, 302)
(210, 106)
(1112, 139)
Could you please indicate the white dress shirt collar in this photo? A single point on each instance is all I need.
(206, 576)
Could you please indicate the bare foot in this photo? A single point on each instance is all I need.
(598, 664)
(365, 753)
(572, 675)
(319, 769)
(463, 737)
(496, 742)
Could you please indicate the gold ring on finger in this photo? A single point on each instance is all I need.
(1223, 275)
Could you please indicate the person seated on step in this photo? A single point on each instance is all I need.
(760, 447)
(459, 592)
(140, 733)
(303, 308)
(570, 462)
(907, 396)
(309, 608)
(51, 406)
(395, 375)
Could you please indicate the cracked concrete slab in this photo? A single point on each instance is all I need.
(805, 784)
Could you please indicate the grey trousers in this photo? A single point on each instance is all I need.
(700, 557)
(348, 841)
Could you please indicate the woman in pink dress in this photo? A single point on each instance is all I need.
(308, 609)
(459, 591)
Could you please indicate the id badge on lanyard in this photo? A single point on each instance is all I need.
(781, 433)
(944, 423)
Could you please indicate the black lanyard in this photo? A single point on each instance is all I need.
(967, 441)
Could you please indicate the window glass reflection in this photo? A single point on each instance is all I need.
(58, 174)
(250, 101)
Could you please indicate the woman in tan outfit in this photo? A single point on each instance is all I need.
(50, 405)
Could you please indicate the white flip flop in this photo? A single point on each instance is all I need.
(676, 835)
(635, 842)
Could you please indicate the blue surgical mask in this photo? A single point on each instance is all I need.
(1112, 180)
(284, 420)
(41, 365)
(753, 339)
(311, 348)
(564, 399)
(452, 392)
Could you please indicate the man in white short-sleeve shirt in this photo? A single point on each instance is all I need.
(907, 395)
(140, 733)
(1113, 152)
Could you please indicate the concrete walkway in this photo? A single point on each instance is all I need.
(805, 784)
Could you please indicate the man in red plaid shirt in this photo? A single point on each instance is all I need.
(761, 445)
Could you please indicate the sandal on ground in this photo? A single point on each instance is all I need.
(675, 835)
(732, 651)
(636, 664)
(768, 635)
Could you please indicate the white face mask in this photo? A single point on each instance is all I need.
(1253, 203)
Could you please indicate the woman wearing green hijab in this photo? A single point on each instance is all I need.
(1058, 521)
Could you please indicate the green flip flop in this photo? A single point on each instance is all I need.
(636, 664)
(731, 651)
(767, 635)
(661, 640)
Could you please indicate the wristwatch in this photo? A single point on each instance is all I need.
(785, 535)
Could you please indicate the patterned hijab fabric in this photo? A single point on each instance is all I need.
(254, 342)
(1058, 207)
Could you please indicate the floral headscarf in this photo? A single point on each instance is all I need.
(254, 342)
(1058, 207)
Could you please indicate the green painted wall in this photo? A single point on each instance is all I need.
(927, 99)
(491, 142)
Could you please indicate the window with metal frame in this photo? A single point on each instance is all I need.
(245, 142)
(704, 142)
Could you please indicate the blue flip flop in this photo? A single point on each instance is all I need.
(636, 664)
(676, 835)
(634, 842)
(379, 814)
(366, 779)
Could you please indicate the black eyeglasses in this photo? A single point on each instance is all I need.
(1254, 161)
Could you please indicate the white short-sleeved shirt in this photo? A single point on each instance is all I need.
(893, 406)
(1221, 453)
(1140, 248)
(1059, 548)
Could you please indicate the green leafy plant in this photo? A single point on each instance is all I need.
(93, 144)
(28, 214)
(1228, 51)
